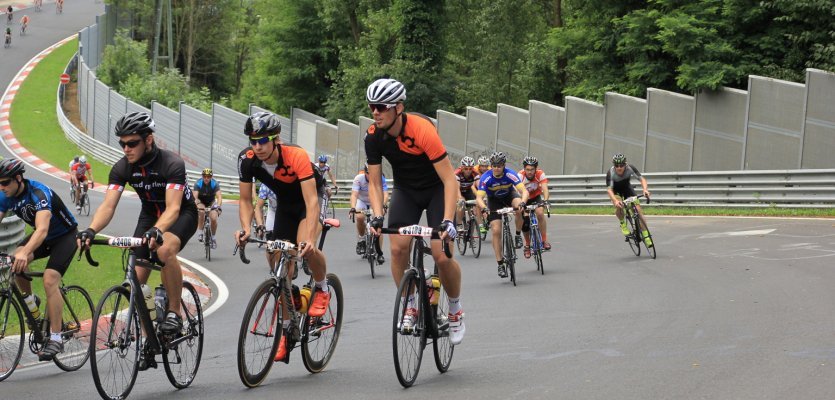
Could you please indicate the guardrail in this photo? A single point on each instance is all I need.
(813, 188)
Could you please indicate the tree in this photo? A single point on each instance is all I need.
(124, 58)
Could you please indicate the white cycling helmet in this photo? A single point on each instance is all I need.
(82, 159)
(385, 91)
(467, 161)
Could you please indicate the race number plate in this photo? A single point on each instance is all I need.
(415, 230)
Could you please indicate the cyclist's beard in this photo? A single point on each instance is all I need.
(385, 129)
(149, 156)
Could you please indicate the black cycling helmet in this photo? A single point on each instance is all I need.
(11, 167)
(498, 158)
(262, 123)
(135, 123)
(619, 159)
(530, 160)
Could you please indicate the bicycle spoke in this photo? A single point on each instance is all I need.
(182, 361)
(75, 330)
(115, 335)
(259, 335)
(408, 345)
(319, 341)
(11, 336)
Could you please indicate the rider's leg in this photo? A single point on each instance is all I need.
(540, 220)
(360, 218)
(171, 274)
(213, 221)
(54, 301)
(496, 228)
(201, 215)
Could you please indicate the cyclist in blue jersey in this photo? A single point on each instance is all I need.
(325, 169)
(53, 237)
(207, 196)
(501, 187)
(265, 223)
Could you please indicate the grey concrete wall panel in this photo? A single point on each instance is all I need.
(513, 133)
(227, 139)
(453, 131)
(719, 138)
(583, 136)
(327, 141)
(348, 160)
(83, 79)
(547, 135)
(306, 136)
(118, 105)
(285, 123)
(94, 51)
(297, 114)
(167, 135)
(482, 128)
(90, 87)
(625, 129)
(102, 121)
(775, 123)
(670, 118)
(195, 137)
(819, 129)
(365, 122)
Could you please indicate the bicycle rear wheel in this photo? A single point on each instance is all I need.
(75, 329)
(207, 239)
(85, 205)
(509, 254)
(12, 332)
(536, 249)
(188, 350)
(408, 344)
(322, 333)
(114, 341)
(475, 239)
(441, 346)
(634, 234)
(259, 335)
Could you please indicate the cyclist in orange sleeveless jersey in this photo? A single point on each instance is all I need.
(537, 184)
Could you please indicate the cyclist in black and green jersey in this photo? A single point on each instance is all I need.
(619, 187)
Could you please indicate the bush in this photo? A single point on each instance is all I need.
(122, 60)
(167, 88)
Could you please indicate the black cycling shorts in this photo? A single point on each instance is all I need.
(626, 193)
(407, 206)
(287, 219)
(495, 203)
(184, 228)
(468, 195)
(60, 251)
(534, 200)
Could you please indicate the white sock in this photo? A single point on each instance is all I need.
(323, 284)
(55, 337)
(454, 304)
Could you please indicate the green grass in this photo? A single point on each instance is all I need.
(706, 211)
(33, 118)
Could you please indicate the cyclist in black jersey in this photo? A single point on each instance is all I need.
(618, 187)
(168, 218)
(54, 237)
(208, 197)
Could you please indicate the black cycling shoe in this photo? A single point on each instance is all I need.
(518, 241)
(502, 271)
(52, 348)
(361, 247)
(172, 324)
(380, 259)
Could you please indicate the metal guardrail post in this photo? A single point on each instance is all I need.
(11, 233)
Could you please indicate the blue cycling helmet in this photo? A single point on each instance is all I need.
(323, 158)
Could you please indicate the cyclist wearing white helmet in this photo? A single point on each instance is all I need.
(537, 184)
(467, 179)
(80, 171)
(425, 181)
(618, 188)
(483, 165)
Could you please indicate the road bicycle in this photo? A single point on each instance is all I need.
(327, 209)
(431, 303)
(59, 7)
(84, 200)
(8, 42)
(126, 339)
(261, 328)
(508, 247)
(38, 5)
(23, 29)
(536, 234)
(633, 218)
(469, 236)
(208, 239)
(15, 317)
(371, 242)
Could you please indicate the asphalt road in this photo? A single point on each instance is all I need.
(733, 308)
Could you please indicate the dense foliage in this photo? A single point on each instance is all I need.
(321, 54)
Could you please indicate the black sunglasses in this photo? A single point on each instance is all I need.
(5, 182)
(131, 144)
(262, 141)
(381, 107)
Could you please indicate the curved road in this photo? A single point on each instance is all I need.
(731, 309)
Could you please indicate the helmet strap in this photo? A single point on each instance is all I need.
(20, 184)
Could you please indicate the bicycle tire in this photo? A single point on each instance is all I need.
(253, 366)
(12, 332)
(189, 352)
(317, 349)
(462, 241)
(650, 249)
(111, 341)
(536, 249)
(442, 348)
(475, 238)
(408, 347)
(634, 243)
(85, 205)
(72, 195)
(75, 328)
(370, 252)
(207, 239)
(510, 256)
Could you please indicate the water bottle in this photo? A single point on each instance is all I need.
(160, 303)
(32, 302)
(149, 300)
(304, 295)
(435, 283)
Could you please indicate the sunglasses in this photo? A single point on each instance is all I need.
(620, 165)
(5, 182)
(262, 141)
(381, 107)
(496, 165)
(131, 144)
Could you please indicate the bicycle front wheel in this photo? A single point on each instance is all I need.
(114, 344)
(475, 239)
(371, 252)
(12, 332)
(509, 255)
(536, 248)
(76, 320)
(320, 334)
(441, 346)
(650, 249)
(207, 240)
(184, 351)
(85, 204)
(408, 342)
(462, 241)
(634, 238)
(259, 335)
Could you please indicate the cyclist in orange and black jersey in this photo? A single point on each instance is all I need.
(425, 181)
(288, 172)
(467, 181)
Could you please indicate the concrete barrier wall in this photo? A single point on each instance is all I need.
(670, 119)
(547, 135)
(481, 131)
(775, 123)
(513, 133)
(625, 129)
(453, 131)
(583, 136)
(348, 160)
(819, 124)
(719, 139)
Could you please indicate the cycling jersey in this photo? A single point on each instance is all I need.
(412, 154)
(206, 192)
(499, 187)
(323, 169)
(285, 177)
(151, 176)
(360, 186)
(80, 170)
(534, 186)
(265, 193)
(38, 197)
(465, 183)
(620, 184)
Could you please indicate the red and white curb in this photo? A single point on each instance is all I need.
(13, 146)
